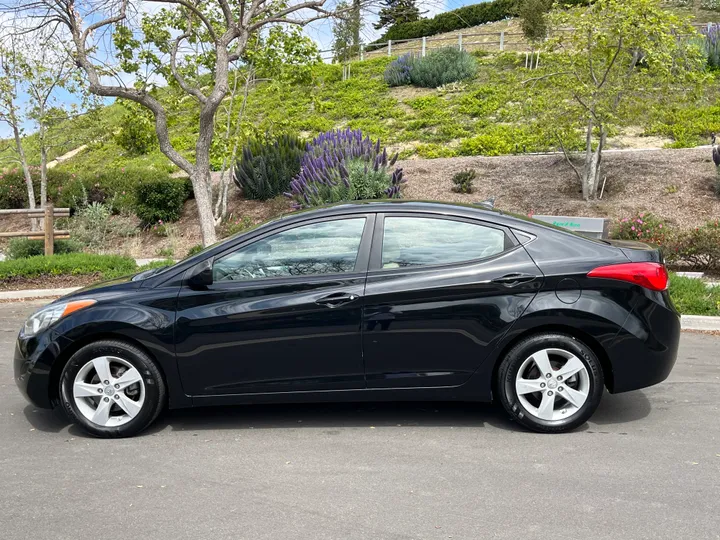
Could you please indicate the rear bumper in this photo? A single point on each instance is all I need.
(644, 351)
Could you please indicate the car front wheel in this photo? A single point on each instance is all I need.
(550, 382)
(112, 389)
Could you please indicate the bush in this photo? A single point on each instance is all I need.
(137, 129)
(486, 144)
(237, 225)
(161, 199)
(698, 248)
(344, 166)
(106, 266)
(442, 66)
(22, 248)
(194, 250)
(13, 190)
(267, 166)
(398, 71)
(693, 297)
(114, 187)
(463, 181)
(644, 227)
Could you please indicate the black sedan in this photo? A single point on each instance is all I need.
(370, 301)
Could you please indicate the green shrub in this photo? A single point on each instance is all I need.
(442, 66)
(698, 248)
(160, 199)
(13, 190)
(693, 297)
(106, 266)
(433, 151)
(644, 227)
(235, 225)
(398, 71)
(194, 250)
(22, 248)
(463, 181)
(114, 187)
(268, 166)
(487, 144)
(137, 129)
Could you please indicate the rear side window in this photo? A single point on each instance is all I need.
(417, 241)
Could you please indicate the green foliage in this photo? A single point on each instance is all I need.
(644, 227)
(693, 297)
(93, 224)
(194, 250)
(533, 18)
(235, 225)
(161, 199)
(285, 55)
(346, 31)
(697, 248)
(396, 12)
(13, 190)
(442, 66)
(268, 165)
(137, 131)
(75, 264)
(433, 151)
(463, 181)
(457, 19)
(22, 248)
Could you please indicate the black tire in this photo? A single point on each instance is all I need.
(151, 377)
(513, 361)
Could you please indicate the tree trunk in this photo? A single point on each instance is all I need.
(591, 170)
(26, 174)
(202, 187)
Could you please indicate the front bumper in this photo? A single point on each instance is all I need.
(32, 366)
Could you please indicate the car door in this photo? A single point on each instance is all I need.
(283, 313)
(440, 293)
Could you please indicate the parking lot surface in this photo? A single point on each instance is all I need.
(646, 466)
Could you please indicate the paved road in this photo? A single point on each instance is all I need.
(647, 466)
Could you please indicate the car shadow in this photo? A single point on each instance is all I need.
(613, 410)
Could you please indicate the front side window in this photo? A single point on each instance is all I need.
(329, 247)
(415, 241)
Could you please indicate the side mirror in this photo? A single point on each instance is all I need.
(201, 275)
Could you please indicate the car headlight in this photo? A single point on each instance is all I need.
(48, 315)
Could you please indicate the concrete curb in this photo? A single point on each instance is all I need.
(36, 293)
(699, 322)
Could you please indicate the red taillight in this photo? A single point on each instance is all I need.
(650, 275)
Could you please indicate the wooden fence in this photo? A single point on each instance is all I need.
(49, 234)
(505, 40)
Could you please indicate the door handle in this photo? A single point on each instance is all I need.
(511, 280)
(336, 299)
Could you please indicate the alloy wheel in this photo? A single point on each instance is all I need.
(552, 384)
(108, 391)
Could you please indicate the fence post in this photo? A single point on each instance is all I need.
(362, 52)
(502, 40)
(424, 43)
(460, 41)
(49, 229)
(389, 47)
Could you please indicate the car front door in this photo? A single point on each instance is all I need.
(440, 292)
(283, 313)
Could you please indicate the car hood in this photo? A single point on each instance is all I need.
(105, 289)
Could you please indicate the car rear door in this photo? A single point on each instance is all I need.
(283, 313)
(441, 291)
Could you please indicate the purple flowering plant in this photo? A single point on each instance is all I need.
(342, 165)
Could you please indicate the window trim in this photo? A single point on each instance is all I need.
(375, 264)
(361, 263)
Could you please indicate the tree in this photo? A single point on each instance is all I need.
(346, 33)
(616, 50)
(11, 69)
(190, 44)
(533, 19)
(397, 12)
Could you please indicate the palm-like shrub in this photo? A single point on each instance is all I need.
(342, 165)
(268, 165)
(442, 66)
(397, 73)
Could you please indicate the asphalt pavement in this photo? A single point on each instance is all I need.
(646, 466)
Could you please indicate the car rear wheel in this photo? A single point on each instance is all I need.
(112, 389)
(550, 382)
